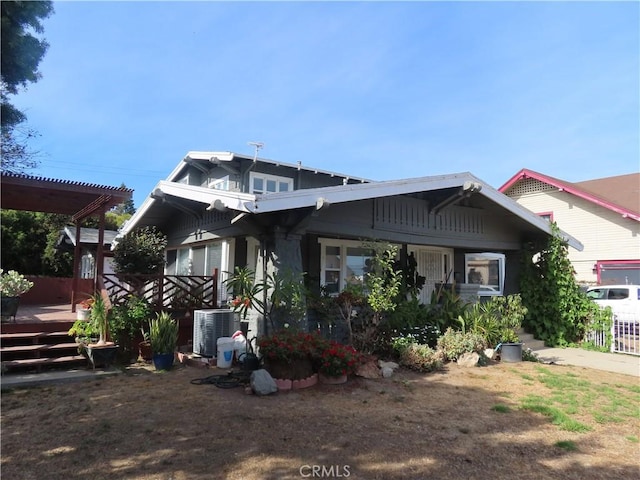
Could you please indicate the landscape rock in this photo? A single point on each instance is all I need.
(392, 365)
(388, 368)
(262, 383)
(368, 370)
(490, 353)
(469, 359)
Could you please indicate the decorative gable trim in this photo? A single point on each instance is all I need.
(567, 187)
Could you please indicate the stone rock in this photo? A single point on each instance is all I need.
(368, 370)
(469, 359)
(490, 353)
(387, 372)
(262, 383)
(391, 365)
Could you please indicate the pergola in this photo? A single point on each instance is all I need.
(80, 200)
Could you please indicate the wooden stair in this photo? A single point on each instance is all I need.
(38, 350)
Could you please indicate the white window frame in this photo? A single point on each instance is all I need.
(343, 245)
(265, 177)
(486, 289)
(219, 183)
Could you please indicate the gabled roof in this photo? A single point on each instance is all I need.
(450, 187)
(222, 158)
(620, 194)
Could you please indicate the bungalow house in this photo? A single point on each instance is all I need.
(222, 209)
(603, 213)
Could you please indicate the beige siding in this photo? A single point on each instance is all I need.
(605, 235)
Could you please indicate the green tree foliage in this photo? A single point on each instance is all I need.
(140, 252)
(21, 53)
(28, 240)
(558, 312)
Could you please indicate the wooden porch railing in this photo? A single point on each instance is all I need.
(164, 292)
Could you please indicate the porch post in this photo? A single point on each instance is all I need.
(76, 267)
(280, 252)
(100, 251)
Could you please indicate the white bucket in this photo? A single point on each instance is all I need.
(225, 352)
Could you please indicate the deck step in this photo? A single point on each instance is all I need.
(41, 362)
(37, 346)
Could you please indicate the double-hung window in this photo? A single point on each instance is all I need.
(264, 183)
(342, 263)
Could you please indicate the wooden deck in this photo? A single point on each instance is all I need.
(44, 313)
(40, 318)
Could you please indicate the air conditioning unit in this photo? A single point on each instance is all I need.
(209, 326)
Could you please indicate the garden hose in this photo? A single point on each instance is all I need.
(229, 380)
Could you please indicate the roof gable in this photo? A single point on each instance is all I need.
(620, 194)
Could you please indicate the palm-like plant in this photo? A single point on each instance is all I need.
(99, 318)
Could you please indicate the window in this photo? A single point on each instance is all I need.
(263, 183)
(622, 272)
(219, 183)
(548, 216)
(343, 263)
(486, 270)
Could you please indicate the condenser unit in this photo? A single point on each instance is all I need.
(208, 326)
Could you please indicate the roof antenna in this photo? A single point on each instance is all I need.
(258, 146)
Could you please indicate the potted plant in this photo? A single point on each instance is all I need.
(83, 332)
(163, 335)
(84, 309)
(102, 352)
(337, 362)
(144, 347)
(12, 285)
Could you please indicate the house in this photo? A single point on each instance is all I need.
(88, 248)
(222, 209)
(603, 213)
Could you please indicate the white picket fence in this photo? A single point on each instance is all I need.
(625, 338)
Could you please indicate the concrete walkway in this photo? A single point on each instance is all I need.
(15, 380)
(608, 362)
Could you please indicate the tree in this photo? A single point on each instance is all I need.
(28, 240)
(140, 252)
(21, 53)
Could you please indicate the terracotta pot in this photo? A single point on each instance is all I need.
(145, 351)
(327, 380)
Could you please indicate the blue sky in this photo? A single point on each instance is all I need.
(381, 90)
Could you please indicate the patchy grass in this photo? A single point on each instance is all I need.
(569, 398)
(567, 445)
(501, 408)
(456, 423)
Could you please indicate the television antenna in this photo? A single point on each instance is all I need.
(258, 146)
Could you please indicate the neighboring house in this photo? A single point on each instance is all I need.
(221, 210)
(603, 213)
(88, 248)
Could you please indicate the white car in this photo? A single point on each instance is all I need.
(624, 301)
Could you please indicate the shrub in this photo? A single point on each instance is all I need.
(421, 358)
(140, 252)
(454, 343)
(339, 360)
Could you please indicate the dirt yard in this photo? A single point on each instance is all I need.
(458, 424)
